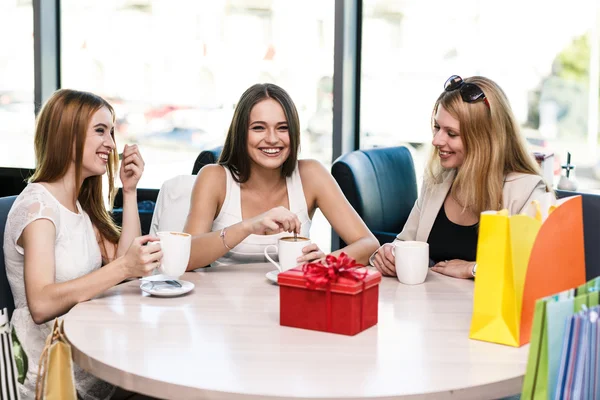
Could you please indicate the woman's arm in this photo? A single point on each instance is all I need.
(131, 227)
(328, 197)
(208, 195)
(130, 173)
(47, 299)
(383, 259)
(409, 231)
(456, 268)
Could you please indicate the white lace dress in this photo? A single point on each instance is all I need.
(77, 253)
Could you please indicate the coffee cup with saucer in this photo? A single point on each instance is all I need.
(176, 248)
(288, 248)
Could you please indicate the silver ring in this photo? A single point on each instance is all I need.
(446, 261)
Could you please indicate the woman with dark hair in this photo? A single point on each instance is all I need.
(479, 162)
(260, 191)
(58, 232)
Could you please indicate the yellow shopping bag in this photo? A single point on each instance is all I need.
(519, 260)
(55, 379)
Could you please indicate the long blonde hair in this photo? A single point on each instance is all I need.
(492, 143)
(60, 133)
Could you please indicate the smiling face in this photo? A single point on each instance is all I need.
(98, 144)
(268, 135)
(446, 139)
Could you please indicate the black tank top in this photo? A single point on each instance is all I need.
(449, 241)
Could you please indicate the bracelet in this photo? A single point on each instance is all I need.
(372, 258)
(222, 235)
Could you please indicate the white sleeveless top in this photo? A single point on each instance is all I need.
(251, 249)
(76, 253)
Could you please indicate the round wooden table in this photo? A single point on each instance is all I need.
(223, 341)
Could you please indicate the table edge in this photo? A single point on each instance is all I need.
(163, 389)
(148, 386)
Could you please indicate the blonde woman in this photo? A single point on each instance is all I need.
(58, 232)
(479, 162)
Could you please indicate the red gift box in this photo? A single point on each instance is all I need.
(337, 296)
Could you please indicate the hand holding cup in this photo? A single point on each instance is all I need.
(289, 250)
(142, 257)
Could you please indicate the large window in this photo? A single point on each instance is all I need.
(17, 118)
(541, 53)
(174, 69)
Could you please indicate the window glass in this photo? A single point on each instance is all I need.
(541, 53)
(17, 118)
(174, 69)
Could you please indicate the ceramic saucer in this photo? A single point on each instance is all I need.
(272, 276)
(169, 288)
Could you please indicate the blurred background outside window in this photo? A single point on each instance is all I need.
(539, 52)
(17, 118)
(175, 69)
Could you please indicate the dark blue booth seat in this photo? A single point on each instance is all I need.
(206, 157)
(381, 186)
(6, 297)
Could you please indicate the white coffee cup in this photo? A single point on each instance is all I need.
(176, 247)
(289, 249)
(412, 261)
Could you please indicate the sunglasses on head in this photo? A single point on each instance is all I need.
(469, 92)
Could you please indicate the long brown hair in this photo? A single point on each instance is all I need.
(60, 133)
(493, 144)
(235, 151)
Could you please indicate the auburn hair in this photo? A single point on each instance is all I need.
(60, 133)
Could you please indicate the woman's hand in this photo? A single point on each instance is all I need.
(385, 261)
(142, 256)
(278, 219)
(455, 268)
(132, 167)
(310, 253)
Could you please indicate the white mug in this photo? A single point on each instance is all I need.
(176, 247)
(288, 249)
(412, 261)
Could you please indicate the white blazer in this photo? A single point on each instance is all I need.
(518, 192)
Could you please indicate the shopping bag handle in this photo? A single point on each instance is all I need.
(57, 335)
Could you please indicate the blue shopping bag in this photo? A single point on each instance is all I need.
(578, 370)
